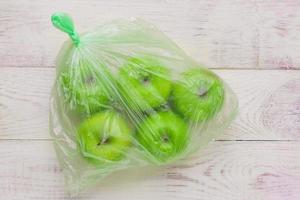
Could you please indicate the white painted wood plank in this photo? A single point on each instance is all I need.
(224, 171)
(269, 103)
(220, 34)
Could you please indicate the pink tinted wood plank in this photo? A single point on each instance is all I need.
(24, 97)
(225, 170)
(269, 103)
(279, 38)
(220, 34)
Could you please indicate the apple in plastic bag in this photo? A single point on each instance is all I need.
(163, 135)
(145, 83)
(105, 137)
(198, 95)
(84, 88)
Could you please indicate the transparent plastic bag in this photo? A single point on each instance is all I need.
(126, 96)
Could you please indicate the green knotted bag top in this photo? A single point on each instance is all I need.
(64, 22)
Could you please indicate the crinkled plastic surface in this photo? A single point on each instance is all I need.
(126, 96)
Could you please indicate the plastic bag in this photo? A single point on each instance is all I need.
(126, 96)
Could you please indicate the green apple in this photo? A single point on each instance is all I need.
(198, 95)
(163, 135)
(84, 88)
(105, 137)
(145, 83)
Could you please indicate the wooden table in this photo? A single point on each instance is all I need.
(253, 45)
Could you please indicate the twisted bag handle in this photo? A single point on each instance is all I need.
(64, 22)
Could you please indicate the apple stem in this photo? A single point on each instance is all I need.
(64, 22)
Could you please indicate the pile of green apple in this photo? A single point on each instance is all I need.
(140, 107)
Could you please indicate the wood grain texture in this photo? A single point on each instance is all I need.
(269, 103)
(221, 34)
(257, 158)
(224, 171)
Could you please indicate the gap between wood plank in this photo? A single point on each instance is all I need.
(221, 140)
(212, 68)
